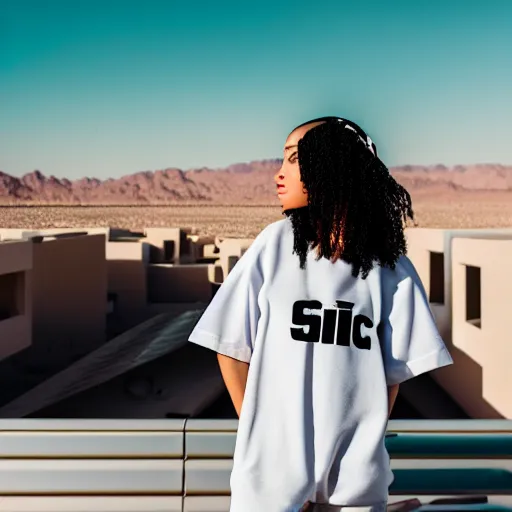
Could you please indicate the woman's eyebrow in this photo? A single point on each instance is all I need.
(290, 147)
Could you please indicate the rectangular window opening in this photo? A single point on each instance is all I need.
(169, 247)
(473, 296)
(232, 261)
(436, 278)
(12, 295)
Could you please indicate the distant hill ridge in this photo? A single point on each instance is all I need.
(239, 183)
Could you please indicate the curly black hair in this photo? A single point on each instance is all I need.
(356, 210)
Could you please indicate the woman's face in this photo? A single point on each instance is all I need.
(290, 189)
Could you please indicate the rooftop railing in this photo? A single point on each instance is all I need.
(184, 465)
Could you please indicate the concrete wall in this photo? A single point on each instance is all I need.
(126, 264)
(188, 248)
(465, 381)
(65, 282)
(143, 283)
(17, 233)
(157, 239)
(15, 297)
(230, 250)
(11, 233)
(179, 283)
(421, 243)
(210, 251)
(69, 297)
(202, 247)
(482, 343)
(131, 298)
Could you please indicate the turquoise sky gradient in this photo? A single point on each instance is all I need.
(108, 88)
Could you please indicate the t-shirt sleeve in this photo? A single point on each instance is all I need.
(410, 340)
(228, 325)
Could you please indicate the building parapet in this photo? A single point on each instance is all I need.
(16, 261)
(184, 465)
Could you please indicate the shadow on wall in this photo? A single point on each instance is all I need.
(180, 283)
(470, 396)
(127, 291)
(139, 291)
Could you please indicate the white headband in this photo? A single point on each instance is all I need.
(367, 142)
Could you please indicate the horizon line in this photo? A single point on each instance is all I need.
(223, 168)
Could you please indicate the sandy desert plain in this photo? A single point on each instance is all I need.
(448, 210)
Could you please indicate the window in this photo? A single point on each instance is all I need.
(473, 296)
(185, 244)
(232, 261)
(436, 278)
(169, 246)
(12, 294)
(165, 254)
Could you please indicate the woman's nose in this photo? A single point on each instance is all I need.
(279, 175)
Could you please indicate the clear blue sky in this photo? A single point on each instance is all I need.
(107, 88)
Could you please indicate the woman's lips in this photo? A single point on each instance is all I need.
(281, 190)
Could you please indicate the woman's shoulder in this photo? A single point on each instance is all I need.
(264, 239)
(274, 229)
(403, 268)
(403, 276)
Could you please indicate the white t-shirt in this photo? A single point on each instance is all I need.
(323, 346)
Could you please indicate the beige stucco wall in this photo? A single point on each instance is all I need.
(66, 282)
(179, 283)
(185, 250)
(231, 247)
(482, 354)
(11, 233)
(17, 233)
(16, 331)
(421, 241)
(463, 380)
(156, 238)
(127, 269)
(69, 297)
(202, 246)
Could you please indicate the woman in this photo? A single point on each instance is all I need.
(317, 325)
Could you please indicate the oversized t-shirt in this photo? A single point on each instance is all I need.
(323, 346)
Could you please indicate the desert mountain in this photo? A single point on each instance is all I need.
(240, 183)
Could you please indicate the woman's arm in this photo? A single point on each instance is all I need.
(234, 373)
(392, 394)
